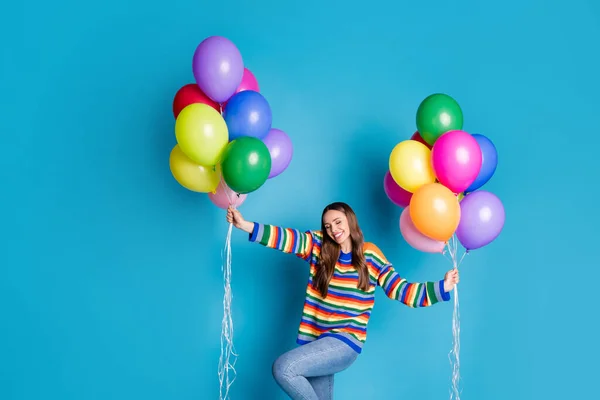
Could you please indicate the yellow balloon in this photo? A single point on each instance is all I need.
(201, 133)
(193, 176)
(410, 165)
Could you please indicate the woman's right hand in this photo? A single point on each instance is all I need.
(235, 217)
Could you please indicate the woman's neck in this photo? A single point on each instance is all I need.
(347, 246)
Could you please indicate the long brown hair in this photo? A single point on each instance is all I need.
(330, 252)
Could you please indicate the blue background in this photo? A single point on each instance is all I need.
(111, 284)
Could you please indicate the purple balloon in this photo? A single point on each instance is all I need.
(481, 219)
(218, 68)
(281, 150)
(394, 192)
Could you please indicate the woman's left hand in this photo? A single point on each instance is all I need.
(451, 279)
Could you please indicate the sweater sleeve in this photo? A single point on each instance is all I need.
(412, 294)
(287, 240)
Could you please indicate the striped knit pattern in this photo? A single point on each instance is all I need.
(344, 313)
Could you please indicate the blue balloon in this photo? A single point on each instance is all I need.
(489, 162)
(247, 113)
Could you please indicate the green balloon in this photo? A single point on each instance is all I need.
(436, 115)
(246, 164)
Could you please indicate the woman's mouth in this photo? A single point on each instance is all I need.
(338, 235)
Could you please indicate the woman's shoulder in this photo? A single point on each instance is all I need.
(371, 248)
(373, 253)
(316, 235)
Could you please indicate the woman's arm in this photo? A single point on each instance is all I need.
(287, 240)
(412, 294)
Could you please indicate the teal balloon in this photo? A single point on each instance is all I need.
(245, 164)
(436, 115)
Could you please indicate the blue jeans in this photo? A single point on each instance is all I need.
(306, 372)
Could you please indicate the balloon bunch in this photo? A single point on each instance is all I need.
(436, 176)
(226, 145)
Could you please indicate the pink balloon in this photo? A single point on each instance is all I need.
(395, 193)
(415, 238)
(224, 196)
(249, 82)
(456, 159)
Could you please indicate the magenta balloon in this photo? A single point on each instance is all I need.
(482, 218)
(218, 68)
(456, 160)
(249, 82)
(394, 192)
(281, 150)
(415, 238)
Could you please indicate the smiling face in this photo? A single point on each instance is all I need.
(336, 225)
(341, 232)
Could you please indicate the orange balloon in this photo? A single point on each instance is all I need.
(435, 211)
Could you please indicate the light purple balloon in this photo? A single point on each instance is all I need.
(281, 150)
(218, 68)
(481, 219)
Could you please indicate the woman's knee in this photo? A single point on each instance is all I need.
(281, 367)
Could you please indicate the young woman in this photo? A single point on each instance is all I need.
(344, 271)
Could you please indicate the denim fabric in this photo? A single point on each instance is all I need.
(306, 372)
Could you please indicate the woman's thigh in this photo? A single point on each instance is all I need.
(324, 356)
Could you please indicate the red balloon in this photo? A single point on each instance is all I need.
(417, 136)
(190, 94)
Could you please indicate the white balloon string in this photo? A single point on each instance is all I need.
(454, 354)
(228, 356)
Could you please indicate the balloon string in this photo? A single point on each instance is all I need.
(454, 355)
(228, 356)
(226, 365)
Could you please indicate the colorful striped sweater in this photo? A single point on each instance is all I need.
(345, 311)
